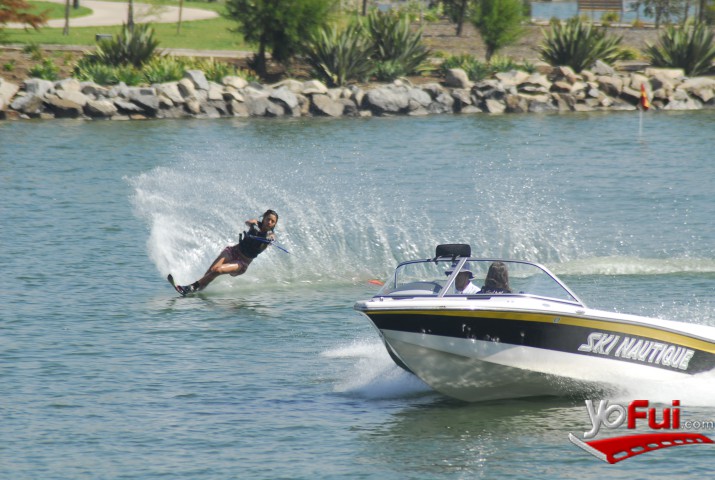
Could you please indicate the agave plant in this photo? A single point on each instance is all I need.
(578, 45)
(396, 43)
(339, 56)
(129, 48)
(691, 48)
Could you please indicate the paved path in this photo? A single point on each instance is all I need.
(115, 13)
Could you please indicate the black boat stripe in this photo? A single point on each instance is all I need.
(537, 331)
(593, 324)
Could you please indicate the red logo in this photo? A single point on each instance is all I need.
(616, 449)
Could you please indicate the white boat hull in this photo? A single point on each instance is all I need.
(475, 370)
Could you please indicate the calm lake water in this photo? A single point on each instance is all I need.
(106, 373)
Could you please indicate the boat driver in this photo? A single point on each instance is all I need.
(463, 284)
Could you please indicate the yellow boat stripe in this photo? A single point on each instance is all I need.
(603, 325)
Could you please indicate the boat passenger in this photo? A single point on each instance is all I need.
(497, 280)
(234, 260)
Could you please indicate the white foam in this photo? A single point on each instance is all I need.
(623, 265)
(372, 374)
(698, 390)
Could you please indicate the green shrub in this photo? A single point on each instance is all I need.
(129, 48)
(247, 75)
(475, 69)
(95, 72)
(9, 66)
(388, 70)
(690, 48)
(398, 49)
(609, 18)
(339, 56)
(214, 71)
(46, 70)
(578, 45)
(498, 23)
(33, 50)
(503, 64)
(130, 75)
(164, 69)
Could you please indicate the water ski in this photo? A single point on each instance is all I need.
(182, 291)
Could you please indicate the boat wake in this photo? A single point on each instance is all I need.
(371, 373)
(695, 391)
(624, 265)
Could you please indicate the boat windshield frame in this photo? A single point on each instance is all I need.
(433, 287)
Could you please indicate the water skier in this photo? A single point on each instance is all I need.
(234, 260)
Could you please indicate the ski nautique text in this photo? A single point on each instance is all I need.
(639, 349)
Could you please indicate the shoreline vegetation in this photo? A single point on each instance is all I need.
(530, 86)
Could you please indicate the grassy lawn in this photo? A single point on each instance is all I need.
(57, 10)
(210, 34)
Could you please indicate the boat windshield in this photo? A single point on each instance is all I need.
(446, 277)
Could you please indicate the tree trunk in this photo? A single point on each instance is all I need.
(66, 30)
(460, 19)
(181, 9)
(364, 7)
(130, 16)
(260, 65)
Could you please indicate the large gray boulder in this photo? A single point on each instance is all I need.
(702, 88)
(602, 68)
(534, 84)
(64, 107)
(457, 78)
(149, 104)
(682, 101)
(512, 78)
(326, 106)
(198, 78)
(314, 86)
(170, 90)
(7, 91)
(492, 105)
(234, 82)
(215, 92)
(284, 97)
(30, 105)
(100, 109)
(126, 107)
(444, 103)
(39, 87)
(74, 96)
(665, 73)
(387, 100)
(186, 87)
(68, 85)
(610, 85)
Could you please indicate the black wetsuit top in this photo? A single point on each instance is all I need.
(251, 247)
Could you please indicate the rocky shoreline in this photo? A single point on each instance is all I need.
(550, 89)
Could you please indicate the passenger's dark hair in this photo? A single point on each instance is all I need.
(497, 279)
(269, 212)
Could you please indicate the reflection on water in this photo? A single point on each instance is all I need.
(506, 439)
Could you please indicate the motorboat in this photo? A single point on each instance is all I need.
(534, 338)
